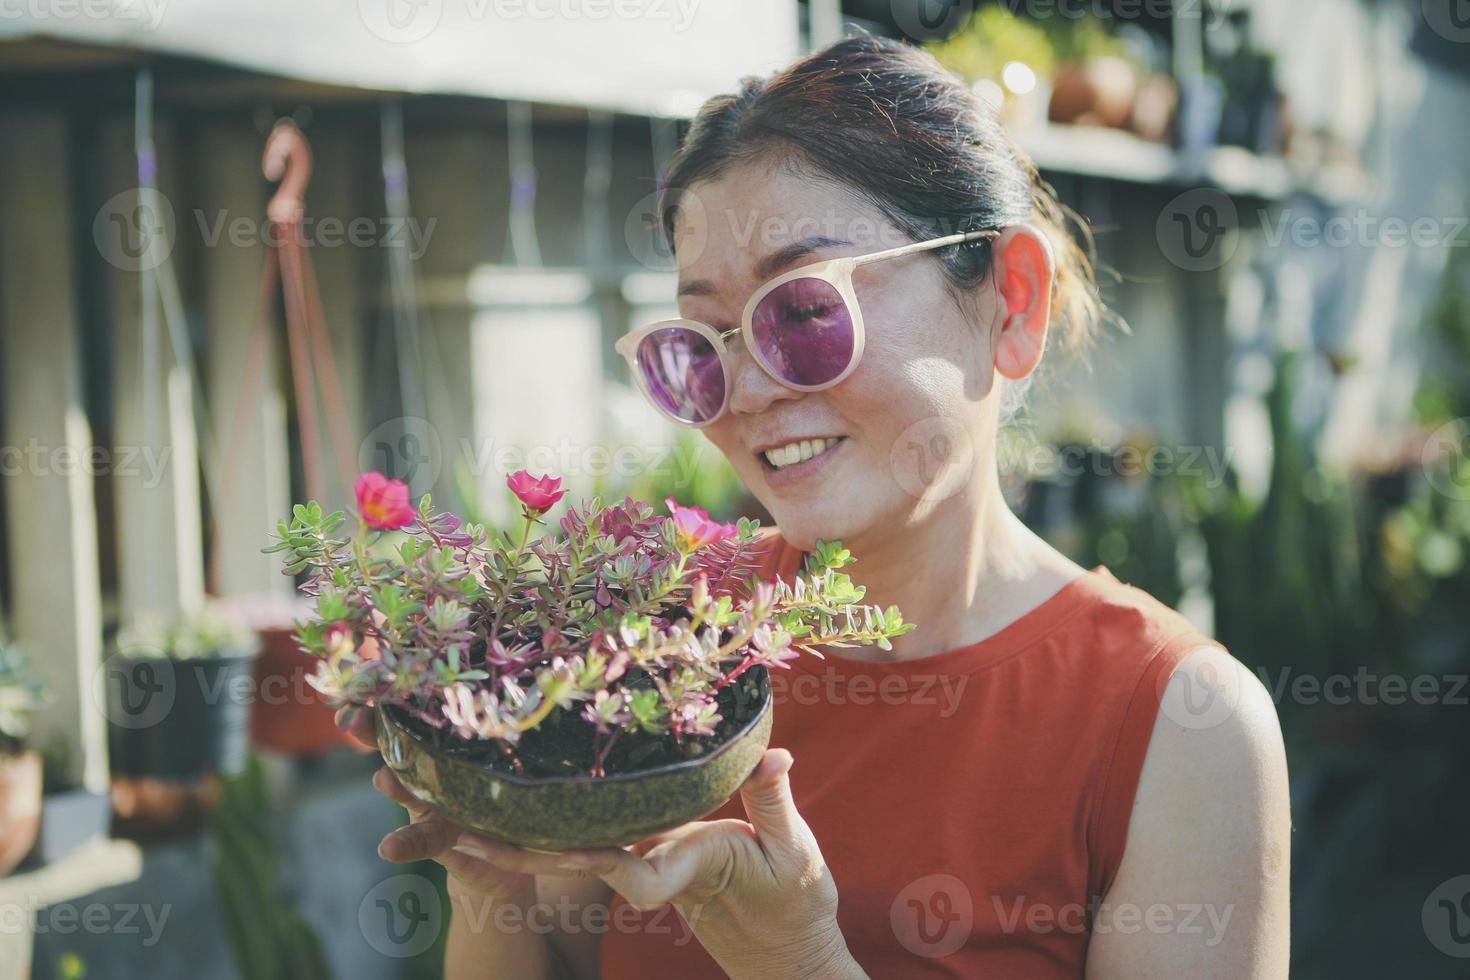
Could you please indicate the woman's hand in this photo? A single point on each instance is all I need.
(430, 836)
(757, 894)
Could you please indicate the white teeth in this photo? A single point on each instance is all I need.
(796, 452)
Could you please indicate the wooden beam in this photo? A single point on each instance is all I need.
(51, 518)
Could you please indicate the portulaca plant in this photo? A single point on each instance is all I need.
(612, 642)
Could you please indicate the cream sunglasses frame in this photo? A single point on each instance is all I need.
(835, 272)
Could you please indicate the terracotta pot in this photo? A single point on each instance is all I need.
(555, 813)
(20, 807)
(289, 715)
(159, 809)
(1098, 92)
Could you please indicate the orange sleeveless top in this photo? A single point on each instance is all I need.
(972, 805)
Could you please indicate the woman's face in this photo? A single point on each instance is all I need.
(909, 421)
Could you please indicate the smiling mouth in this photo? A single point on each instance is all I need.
(797, 451)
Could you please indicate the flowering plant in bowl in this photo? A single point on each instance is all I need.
(585, 687)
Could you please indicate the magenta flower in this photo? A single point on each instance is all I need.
(538, 494)
(695, 527)
(383, 503)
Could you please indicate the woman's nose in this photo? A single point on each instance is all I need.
(753, 390)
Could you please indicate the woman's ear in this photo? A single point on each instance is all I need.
(1023, 267)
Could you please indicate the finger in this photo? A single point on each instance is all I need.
(643, 847)
(421, 841)
(386, 781)
(698, 863)
(769, 805)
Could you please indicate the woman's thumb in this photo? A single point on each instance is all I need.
(769, 805)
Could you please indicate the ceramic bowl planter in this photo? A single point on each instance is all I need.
(563, 812)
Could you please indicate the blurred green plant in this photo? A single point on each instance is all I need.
(23, 693)
(206, 633)
(1444, 390)
(693, 472)
(268, 936)
(995, 37)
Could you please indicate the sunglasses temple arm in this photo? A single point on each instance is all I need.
(932, 243)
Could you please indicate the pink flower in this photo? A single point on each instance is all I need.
(383, 503)
(539, 494)
(695, 528)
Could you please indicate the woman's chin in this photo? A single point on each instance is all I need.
(803, 525)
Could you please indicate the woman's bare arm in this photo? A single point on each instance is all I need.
(1203, 889)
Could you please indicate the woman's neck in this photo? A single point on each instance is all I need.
(965, 572)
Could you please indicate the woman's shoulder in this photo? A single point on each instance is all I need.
(1119, 616)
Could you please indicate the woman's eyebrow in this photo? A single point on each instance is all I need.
(771, 264)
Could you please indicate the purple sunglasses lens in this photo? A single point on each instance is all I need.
(803, 331)
(683, 373)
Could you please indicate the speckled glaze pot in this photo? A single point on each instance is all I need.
(557, 813)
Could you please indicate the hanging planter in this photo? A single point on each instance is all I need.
(591, 687)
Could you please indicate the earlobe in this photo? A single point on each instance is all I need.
(1019, 346)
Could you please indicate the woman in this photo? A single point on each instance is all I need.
(1054, 775)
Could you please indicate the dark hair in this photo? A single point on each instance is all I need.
(892, 123)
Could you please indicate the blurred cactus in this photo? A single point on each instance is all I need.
(270, 939)
(1287, 573)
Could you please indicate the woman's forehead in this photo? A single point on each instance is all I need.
(729, 226)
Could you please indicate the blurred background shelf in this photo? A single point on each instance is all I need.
(1115, 154)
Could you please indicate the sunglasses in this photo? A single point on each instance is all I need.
(804, 327)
